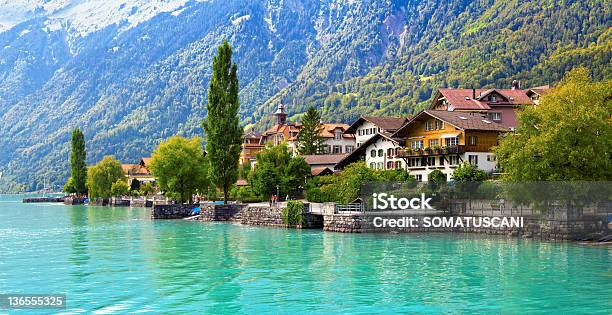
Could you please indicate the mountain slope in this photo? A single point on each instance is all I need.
(137, 74)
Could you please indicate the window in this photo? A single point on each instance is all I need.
(380, 165)
(431, 161)
(495, 116)
(418, 177)
(389, 165)
(338, 134)
(429, 125)
(380, 152)
(442, 161)
(473, 159)
(491, 158)
(373, 153)
(439, 124)
(451, 142)
(398, 164)
(453, 160)
(359, 132)
(390, 152)
(337, 149)
(414, 162)
(493, 98)
(434, 143)
(397, 150)
(372, 165)
(472, 140)
(326, 149)
(416, 144)
(349, 148)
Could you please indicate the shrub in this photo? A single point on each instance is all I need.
(293, 214)
(246, 195)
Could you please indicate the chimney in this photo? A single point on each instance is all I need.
(515, 84)
(473, 93)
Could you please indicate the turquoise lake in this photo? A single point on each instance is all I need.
(117, 260)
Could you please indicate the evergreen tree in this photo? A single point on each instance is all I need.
(78, 168)
(309, 137)
(222, 125)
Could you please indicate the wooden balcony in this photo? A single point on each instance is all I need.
(458, 149)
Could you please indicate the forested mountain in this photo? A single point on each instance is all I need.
(130, 73)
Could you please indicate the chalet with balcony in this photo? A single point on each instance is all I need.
(499, 105)
(441, 139)
(251, 145)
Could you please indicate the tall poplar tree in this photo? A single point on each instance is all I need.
(222, 126)
(78, 168)
(309, 137)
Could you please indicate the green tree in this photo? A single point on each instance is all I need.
(568, 136)
(269, 170)
(180, 168)
(296, 173)
(309, 137)
(69, 186)
(78, 166)
(222, 125)
(120, 188)
(275, 167)
(101, 177)
(147, 189)
(467, 172)
(245, 169)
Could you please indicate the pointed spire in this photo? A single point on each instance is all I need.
(281, 115)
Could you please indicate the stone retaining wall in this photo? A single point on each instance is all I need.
(42, 199)
(177, 211)
(532, 226)
(231, 212)
(257, 215)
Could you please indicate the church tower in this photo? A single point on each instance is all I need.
(281, 116)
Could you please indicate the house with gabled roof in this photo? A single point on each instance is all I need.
(138, 171)
(441, 139)
(499, 105)
(366, 127)
(335, 138)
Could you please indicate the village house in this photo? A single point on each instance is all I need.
(499, 105)
(138, 172)
(250, 147)
(335, 138)
(442, 140)
(380, 151)
(366, 127)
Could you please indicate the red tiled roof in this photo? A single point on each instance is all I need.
(323, 159)
(466, 121)
(463, 99)
(461, 120)
(328, 130)
(127, 167)
(146, 160)
(321, 171)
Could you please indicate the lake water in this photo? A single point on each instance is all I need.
(117, 260)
